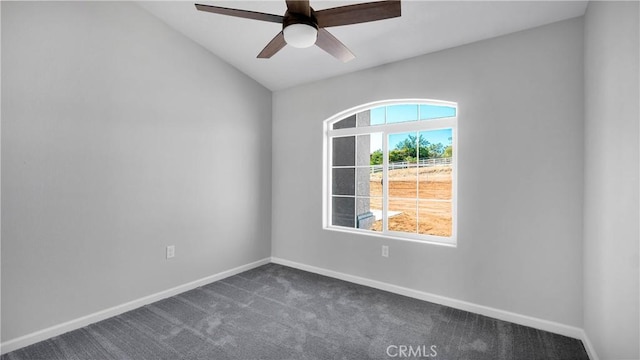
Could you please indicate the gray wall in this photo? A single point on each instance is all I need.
(611, 234)
(520, 190)
(120, 137)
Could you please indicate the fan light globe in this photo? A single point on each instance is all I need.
(300, 35)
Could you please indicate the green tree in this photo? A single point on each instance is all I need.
(408, 149)
(376, 157)
(399, 155)
(405, 151)
(448, 151)
(436, 150)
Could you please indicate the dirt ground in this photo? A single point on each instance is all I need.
(430, 214)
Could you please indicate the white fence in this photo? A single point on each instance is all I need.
(421, 163)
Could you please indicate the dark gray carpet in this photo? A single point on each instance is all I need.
(276, 312)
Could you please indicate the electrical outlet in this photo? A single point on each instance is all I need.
(171, 251)
(385, 251)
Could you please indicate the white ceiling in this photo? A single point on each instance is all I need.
(424, 27)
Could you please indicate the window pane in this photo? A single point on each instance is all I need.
(435, 173)
(364, 216)
(363, 181)
(435, 144)
(401, 113)
(378, 116)
(402, 147)
(369, 148)
(435, 112)
(343, 211)
(344, 180)
(349, 122)
(375, 180)
(401, 216)
(344, 151)
(376, 207)
(363, 148)
(369, 181)
(375, 149)
(363, 119)
(434, 218)
(376, 210)
(403, 180)
(435, 181)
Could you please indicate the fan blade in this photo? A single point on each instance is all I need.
(275, 45)
(333, 46)
(358, 13)
(240, 13)
(299, 7)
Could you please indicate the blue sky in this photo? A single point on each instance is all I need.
(410, 112)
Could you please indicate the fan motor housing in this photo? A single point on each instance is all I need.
(293, 18)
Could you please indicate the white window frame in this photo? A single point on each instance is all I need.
(419, 125)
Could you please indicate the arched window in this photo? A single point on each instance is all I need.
(390, 170)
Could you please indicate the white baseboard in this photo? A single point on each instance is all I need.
(591, 351)
(546, 325)
(525, 320)
(74, 324)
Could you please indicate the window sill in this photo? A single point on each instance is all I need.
(421, 239)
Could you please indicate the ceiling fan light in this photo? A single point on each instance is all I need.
(300, 35)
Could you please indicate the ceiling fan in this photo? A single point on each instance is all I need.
(303, 27)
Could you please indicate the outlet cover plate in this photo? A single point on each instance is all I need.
(385, 251)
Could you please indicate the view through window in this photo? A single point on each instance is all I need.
(391, 171)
